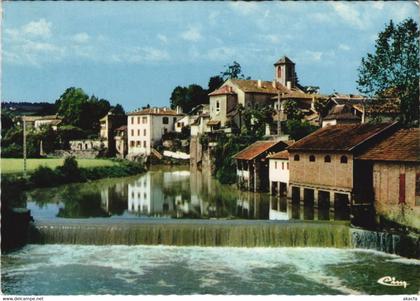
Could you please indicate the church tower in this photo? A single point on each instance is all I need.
(285, 72)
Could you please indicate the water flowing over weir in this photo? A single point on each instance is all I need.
(210, 233)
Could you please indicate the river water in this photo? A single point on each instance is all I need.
(166, 192)
(166, 196)
(132, 270)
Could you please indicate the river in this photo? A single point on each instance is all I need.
(145, 235)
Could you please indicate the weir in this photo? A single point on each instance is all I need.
(209, 233)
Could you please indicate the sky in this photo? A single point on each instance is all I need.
(136, 53)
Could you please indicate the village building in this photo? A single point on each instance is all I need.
(394, 169)
(279, 173)
(109, 123)
(192, 118)
(36, 122)
(342, 114)
(121, 141)
(146, 127)
(228, 101)
(322, 167)
(252, 166)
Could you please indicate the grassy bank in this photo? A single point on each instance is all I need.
(15, 165)
(13, 185)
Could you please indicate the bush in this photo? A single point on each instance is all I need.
(45, 177)
(12, 151)
(70, 170)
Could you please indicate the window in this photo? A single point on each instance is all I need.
(282, 165)
(144, 132)
(145, 195)
(178, 124)
(311, 158)
(132, 143)
(327, 159)
(296, 158)
(343, 159)
(275, 164)
(138, 143)
(174, 119)
(165, 120)
(144, 144)
(217, 106)
(132, 120)
(138, 195)
(401, 199)
(138, 120)
(144, 120)
(287, 165)
(132, 132)
(138, 132)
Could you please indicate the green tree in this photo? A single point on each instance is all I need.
(188, 97)
(118, 109)
(70, 106)
(297, 129)
(214, 83)
(394, 69)
(292, 110)
(321, 107)
(233, 71)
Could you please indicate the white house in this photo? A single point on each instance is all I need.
(279, 173)
(146, 127)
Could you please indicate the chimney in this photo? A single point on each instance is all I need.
(274, 84)
(259, 84)
(289, 85)
(164, 108)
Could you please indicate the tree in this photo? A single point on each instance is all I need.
(188, 97)
(233, 71)
(321, 107)
(394, 68)
(214, 83)
(71, 104)
(118, 109)
(292, 110)
(297, 129)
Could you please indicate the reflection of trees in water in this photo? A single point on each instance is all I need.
(81, 204)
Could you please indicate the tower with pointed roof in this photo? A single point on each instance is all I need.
(285, 72)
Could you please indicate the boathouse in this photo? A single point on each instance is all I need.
(252, 164)
(279, 173)
(322, 167)
(395, 172)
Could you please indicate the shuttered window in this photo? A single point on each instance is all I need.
(402, 189)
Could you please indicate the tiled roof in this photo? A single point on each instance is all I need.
(403, 145)
(251, 86)
(283, 60)
(339, 137)
(341, 112)
(46, 117)
(280, 155)
(256, 149)
(156, 111)
(224, 90)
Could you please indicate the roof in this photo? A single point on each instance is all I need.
(403, 145)
(46, 117)
(343, 137)
(283, 60)
(251, 86)
(341, 112)
(255, 149)
(223, 90)
(213, 122)
(156, 111)
(121, 128)
(280, 155)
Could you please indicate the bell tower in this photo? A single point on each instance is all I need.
(285, 72)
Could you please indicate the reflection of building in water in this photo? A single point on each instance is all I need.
(252, 205)
(114, 198)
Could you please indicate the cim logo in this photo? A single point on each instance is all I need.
(390, 281)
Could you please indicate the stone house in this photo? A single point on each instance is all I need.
(342, 114)
(252, 168)
(109, 123)
(279, 173)
(395, 170)
(121, 142)
(146, 127)
(227, 101)
(36, 122)
(322, 167)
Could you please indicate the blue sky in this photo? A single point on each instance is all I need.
(135, 53)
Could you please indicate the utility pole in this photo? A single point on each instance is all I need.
(24, 145)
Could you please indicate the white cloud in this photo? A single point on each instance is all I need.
(244, 8)
(140, 55)
(81, 37)
(162, 38)
(192, 34)
(348, 13)
(40, 28)
(344, 47)
(221, 54)
(378, 5)
(272, 38)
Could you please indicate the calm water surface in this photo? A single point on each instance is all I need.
(132, 270)
(165, 192)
